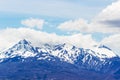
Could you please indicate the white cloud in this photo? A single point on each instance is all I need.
(82, 26)
(74, 25)
(113, 42)
(10, 36)
(107, 21)
(33, 23)
(111, 12)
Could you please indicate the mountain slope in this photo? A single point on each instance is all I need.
(58, 61)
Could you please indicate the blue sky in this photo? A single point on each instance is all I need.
(58, 8)
(83, 23)
(54, 12)
(16, 10)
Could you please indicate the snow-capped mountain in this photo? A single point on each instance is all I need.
(24, 49)
(99, 58)
(64, 52)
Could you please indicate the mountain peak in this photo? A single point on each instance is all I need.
(23, 48)
(103, 46)
(24, 41)
(22, 45)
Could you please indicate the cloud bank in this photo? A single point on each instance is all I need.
(10, 36)
(107, 21)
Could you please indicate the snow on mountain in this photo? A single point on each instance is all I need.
(22, 48)
(65, 52)
(70, 53)
(47, 60)
(102, 52)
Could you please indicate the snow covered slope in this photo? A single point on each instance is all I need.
(94, 58)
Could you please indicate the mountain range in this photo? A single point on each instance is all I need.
(24, 61)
